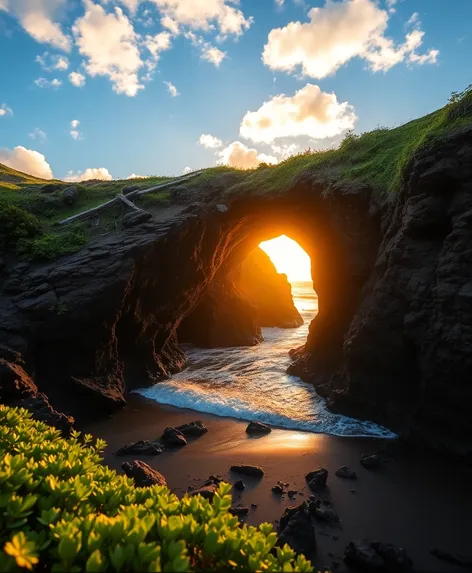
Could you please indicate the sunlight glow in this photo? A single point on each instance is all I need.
(289, 258)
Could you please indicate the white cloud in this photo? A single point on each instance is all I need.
(77, 79)
(74, 129)
(110, 44)
(158, 43)
(90, 173)
(209, 141)
(187, 170)
(26, 160)
(279, 3)
(286, 150)
(334, 35)
(239, 155)
(391, 6)
(44, 83)
(310, 112)
(414, 19)
(171, 89)
(38, 134)
(134, 176)
(37, 17)
(5, 110)
(50, 62)
(170, 24)
(212, 54)
(201, 14)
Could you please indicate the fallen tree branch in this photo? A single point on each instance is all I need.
(125, 199)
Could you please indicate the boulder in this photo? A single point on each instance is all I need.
(129, 188)
(136, 218)
(239, 511)
(180, 194)
(193, 429)
(374, 556)
(278, 489)
(239, 485)
(206, 491)
(70, 196)
(345, 472)
(173, 437)
(142, 474)
(140, 448)
(258, 428)
(323, 510)
(297, 528)
(317, 479)
(51, 187)
(371, 461)
(254, 471)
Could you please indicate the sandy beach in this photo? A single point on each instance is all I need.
(416, 500)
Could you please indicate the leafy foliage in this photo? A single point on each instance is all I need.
(15, 225)
(50, 246)
(61, 510)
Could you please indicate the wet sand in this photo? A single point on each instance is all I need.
(416, 500)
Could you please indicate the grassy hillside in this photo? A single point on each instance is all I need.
(30, 207)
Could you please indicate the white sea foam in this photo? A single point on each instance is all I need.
(250, 383)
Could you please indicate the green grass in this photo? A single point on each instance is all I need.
(377, 158)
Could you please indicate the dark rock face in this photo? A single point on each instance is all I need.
(70, 196)
(345, 472)
(268, 291)
(136, 218)
(18, 389)
(193, 429)
(254, 471)
(317, 479)
(173, 437)
(258, 428)
(372, 461)
(142, 474)
(297, 528)
(375, 556)
(239, 510)
(239, 485)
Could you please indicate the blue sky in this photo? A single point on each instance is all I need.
(260, 79)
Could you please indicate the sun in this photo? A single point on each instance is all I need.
(289, 258)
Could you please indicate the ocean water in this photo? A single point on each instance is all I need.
(250, 383)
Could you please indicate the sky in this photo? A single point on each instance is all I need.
(119, 88)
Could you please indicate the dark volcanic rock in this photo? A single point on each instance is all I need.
(278, 489)
(375, 556)
(18, 389)
(239, 485)
(371, 461)
(239, 510)
(254, 471)
(173, 437)
(193, 429)
(70, 196)
(317, 479)
(136, 218)
(452, 558)
(140, 448)
(297, 528)
(258, 428)
(206, 491)
(345, 472)
(142, 474)
(323, 510)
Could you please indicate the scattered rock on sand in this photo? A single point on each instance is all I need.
(173, 437)
(297, 528)
(239, 511)
(254, 471)
(206, 491)
(371, 461)
(292, 493)
(345, 472)
(453, 558)
(140, 448)
(193, 429)
(323, 511)
(278, 489)
(317, 479)
(258, 428)
(239, 485)
(373, 556)
(143, 475)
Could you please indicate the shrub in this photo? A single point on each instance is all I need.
(51, 246)
(16, 224)
(62, 510)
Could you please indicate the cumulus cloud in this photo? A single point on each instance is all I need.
(335, 34)
(90, 173)
(74, 129)
(110, 46)
(38, 134)
(187, 170)
(37, 17)
(209, 141)
(203, 14)
(77, 79)
(310, 112)
(391, 6)
(134, 176)
(5, 110)
(44, 83)
(50, 62)
(171, 89)
(170, 24)
(26, 160)
(212, 54)
(237, 154)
